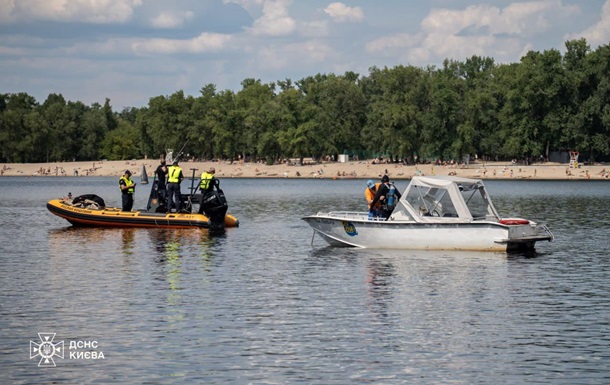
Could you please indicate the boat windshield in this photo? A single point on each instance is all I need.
(431, 202)
(477, 202)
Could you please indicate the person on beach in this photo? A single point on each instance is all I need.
(128, 187)
(174, 178)
(369, 194)
(388, 195)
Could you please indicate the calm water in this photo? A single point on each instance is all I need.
(261, 305)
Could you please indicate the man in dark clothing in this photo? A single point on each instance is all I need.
(388, 194)
(160, 173)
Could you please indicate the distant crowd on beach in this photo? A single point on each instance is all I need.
(333, 169)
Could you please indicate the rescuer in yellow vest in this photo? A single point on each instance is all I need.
(207, 179)
(206, 185)
(128, 187)
(174, 177)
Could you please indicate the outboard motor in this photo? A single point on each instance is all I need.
(215, 207)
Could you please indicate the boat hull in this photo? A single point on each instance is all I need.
(115, 217)
(358, 231)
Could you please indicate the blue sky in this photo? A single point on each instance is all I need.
(132, 50)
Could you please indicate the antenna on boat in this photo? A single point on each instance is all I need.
(181, 150)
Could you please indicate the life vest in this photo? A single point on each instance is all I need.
(206, 178)
(370, 195)
(128, 183)
(173, 174)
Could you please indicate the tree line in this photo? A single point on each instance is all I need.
(546, 102)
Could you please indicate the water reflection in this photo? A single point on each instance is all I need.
(91, 242)
(379, 276)
(128, 241)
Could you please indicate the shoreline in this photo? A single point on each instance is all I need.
(323, 170)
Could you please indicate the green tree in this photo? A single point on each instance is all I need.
(445, 113)
(13, 127)
(168, 122)
(396, 99)
(93, 129)
(121, 143)
(253, 107)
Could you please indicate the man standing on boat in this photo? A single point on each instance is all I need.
(369, 194)
(174, 178)
(206, 185)
(207, 180)
(161, 173)
(160, 188)
(128, 187)
(388, 195)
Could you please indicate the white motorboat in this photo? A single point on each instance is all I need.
(435, 213)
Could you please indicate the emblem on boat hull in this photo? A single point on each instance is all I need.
(350, 229)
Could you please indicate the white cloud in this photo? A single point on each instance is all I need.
(171, 20)
(251, 6)
(342, 13)
(318, 28)
(10, 51)
(275, 20)
(600, 32)
(517, 18)
(206, 42)
(527, 19)
(486, 30)
(89, 11)
(120, 47)
(294, 55)
(390, 44)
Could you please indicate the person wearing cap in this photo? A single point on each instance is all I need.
(382, 196)
(174, 178)
(128, 187)
(207, 180)
(207, 184)
(369, 194)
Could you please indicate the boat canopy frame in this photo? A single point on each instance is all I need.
(455, 199)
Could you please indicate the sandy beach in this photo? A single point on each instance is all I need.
(330, 170)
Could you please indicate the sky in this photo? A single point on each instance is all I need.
(132, 50)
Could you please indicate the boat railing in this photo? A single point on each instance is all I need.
(357, 215)
(544, 229)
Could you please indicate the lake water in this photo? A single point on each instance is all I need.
(261, 304)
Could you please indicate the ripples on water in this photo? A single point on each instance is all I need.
(261, 305)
